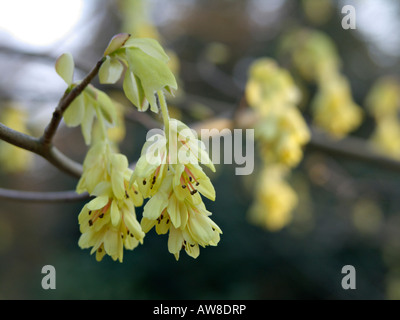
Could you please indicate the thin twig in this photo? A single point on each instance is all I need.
(64, 103)
(51, 154)
(42, 197)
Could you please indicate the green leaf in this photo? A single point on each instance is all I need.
(134, 91)
(74, 114)
(110, 71)
(148, 46)
(87, 122)
(65, 67)
(154, 74)
(107, 107)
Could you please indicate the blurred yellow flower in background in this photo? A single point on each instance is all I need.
(334, 109)
(275, 200)
(14, 159)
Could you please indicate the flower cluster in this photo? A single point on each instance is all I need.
(275, 200)
(169, 173)
(334, 109)
(108, 222)
(316, 60)
(383, 103)
(281, 129)
(171, 177)
(281, 133)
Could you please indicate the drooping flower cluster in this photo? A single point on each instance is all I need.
(281, 129)
(169, 173)
(334, 109)
(315, 58)
(173, 182)
(108, 222)
(383, 103)
(275, 199)
(281, 132)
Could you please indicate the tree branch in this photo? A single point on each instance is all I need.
(42, 197)
(51, 154)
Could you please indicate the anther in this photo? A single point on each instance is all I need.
(144, 182)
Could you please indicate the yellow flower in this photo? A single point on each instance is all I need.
(334, 109)
(14, 159)
(270, 87)
(313, 53)
(188, 223)
(386, 138)
(169, 172)
(274, 201)
(384, 98)
(282, 136)
(151, 166)
(109, 224)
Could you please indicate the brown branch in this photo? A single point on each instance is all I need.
(42, 197)
(51, 154)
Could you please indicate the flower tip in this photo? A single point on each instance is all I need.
(116, 42)
(65, 67)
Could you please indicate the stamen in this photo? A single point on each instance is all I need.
(100, 213)
(191, 176)
(183, 183)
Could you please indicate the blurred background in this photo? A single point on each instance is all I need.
(348, 211)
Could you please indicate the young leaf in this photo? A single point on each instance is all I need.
(134, 91)
(110, 71)
(74, 114)
(148, 46)
(65, 67)
(154, 74)
(116, 42)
